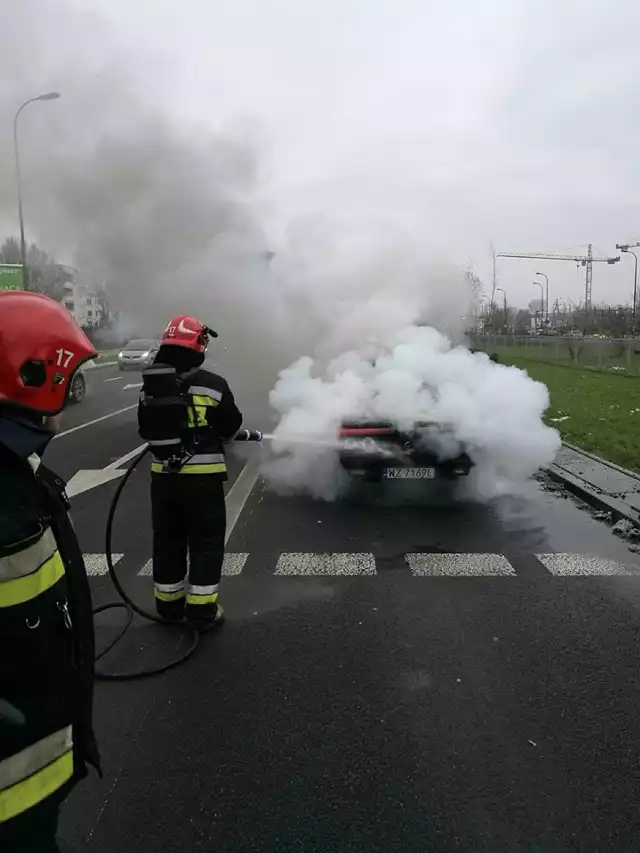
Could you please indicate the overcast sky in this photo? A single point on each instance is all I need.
(512, 121)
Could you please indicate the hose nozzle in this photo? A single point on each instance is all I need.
(248, 435)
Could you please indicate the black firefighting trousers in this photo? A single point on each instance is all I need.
(189, 519)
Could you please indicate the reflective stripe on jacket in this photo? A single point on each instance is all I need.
(212, 419)
(29, 572)
(33, 596)
(200, 400)
(199, 463)
(36, 772)
(46, 630)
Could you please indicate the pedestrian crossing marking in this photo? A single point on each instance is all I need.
(583, 565)
(420, 565)
(147, 569)
(326, 564)
(232, 565)
(96, 564)
(458, 565)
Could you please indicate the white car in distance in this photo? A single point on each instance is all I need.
(138, 354)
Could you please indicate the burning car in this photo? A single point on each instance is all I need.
(378, 450)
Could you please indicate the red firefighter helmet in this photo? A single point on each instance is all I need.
(186, 331)
(41, 347)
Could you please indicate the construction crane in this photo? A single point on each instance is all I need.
(585, 260)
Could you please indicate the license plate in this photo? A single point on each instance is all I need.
(410, 473)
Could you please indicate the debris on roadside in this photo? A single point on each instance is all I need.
(623, 528)
(635, 549)
(554, 487)
(602, 515)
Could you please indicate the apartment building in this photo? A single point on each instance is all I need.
(82, 301)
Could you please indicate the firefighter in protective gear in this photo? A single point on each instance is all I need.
(46, 619)
(188, 472)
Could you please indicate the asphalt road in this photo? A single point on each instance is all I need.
(395, 674)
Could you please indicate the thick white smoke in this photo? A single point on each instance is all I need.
(174, 215)
(415, 373)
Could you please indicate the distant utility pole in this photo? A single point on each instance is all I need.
(626, 247)
(585, 260)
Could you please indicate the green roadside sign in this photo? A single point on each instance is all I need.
(11, 277)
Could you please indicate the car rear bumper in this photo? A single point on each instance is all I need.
(373, 448)
(374, 464)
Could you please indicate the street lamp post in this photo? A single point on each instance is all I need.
(635, 291)
(49, 96)
(546, 300)
(626, 247)
(504, 302)
(541, 286)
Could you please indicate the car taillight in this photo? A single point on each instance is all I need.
(360, 432)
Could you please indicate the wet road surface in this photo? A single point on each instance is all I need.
(396, 674)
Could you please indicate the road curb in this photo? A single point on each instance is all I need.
(593, 496)
(602, 461)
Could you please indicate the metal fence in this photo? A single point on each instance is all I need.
(613, 355)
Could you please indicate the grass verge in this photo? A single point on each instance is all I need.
(597, 411)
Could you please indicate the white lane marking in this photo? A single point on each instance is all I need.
(133, 385)
(239, 493)
(583, 564)
(113, 379)
(126, 458)
(441, 565)
(86, 479)
(147, 569)
(95, 421)
(458, 565)
(96, 564)
(326, 564)
(233, 564)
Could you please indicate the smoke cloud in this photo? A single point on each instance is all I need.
(177, 215)
(169, 213)
(491, 411)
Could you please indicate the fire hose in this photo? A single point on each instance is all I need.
(128, 605)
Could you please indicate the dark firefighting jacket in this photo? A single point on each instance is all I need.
(212, 419)
(46, 630)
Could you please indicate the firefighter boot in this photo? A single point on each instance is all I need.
(170, 611)
(202, 622)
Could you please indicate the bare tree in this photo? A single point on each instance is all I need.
(10, 251)
(46, 276)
